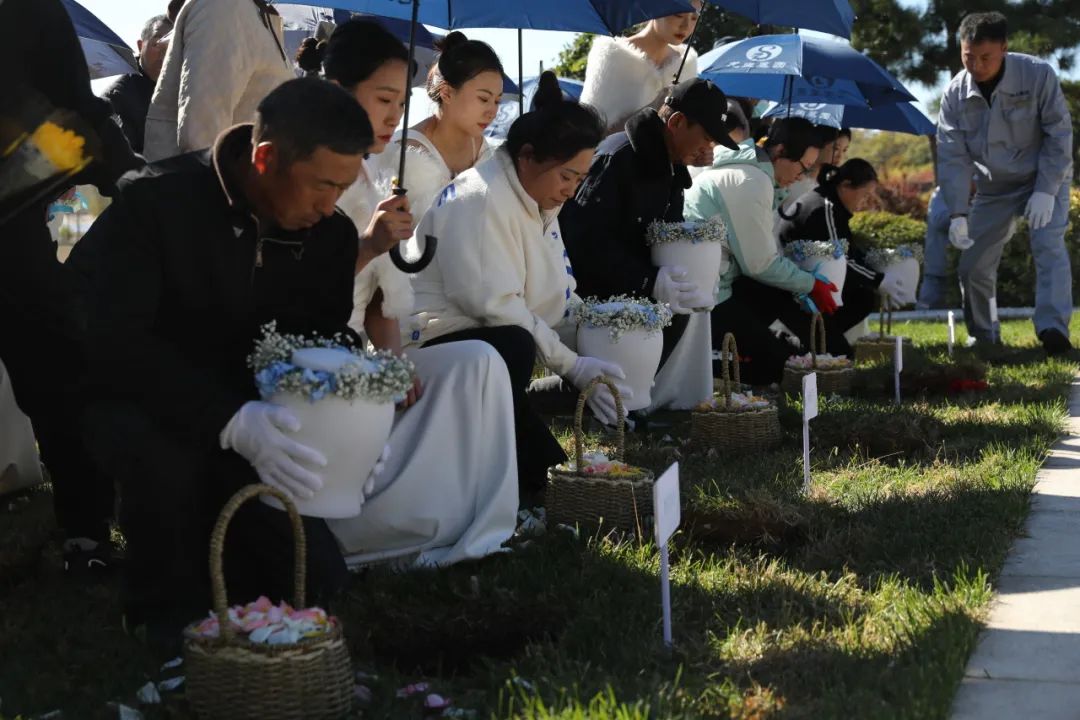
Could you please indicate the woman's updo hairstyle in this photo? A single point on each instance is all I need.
(856, 172)
(556, 128)
(460, 60)
(353, 53)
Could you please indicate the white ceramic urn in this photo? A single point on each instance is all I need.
(350, 434)
(637, 352)
(703, 261)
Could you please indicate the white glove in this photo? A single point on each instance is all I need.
(893, 290)
(671, 288)
(1039, 210)
(958, 233)
(601, 402)
(256, 432)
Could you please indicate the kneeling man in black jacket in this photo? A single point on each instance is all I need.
(193, 256)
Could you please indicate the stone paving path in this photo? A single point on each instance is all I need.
(1027, 662)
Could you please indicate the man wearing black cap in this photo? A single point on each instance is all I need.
(636, 177)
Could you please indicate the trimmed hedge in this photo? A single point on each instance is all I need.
(1016, 274)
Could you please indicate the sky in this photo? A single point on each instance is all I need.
(126, 18)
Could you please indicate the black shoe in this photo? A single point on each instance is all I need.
(1055, 342)
(100, 562)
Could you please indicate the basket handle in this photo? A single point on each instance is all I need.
(727, 361)
(884, 320)
(217, 548)
(817, 339)
(620, 415)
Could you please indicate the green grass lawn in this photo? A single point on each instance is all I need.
(862, 598)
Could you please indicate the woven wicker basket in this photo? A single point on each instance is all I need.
(882, 346)
(619, 502)
(230, 678)
(829, 381)
(730, 429)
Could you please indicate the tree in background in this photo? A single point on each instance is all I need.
(920, 45)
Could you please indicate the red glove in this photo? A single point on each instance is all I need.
(822, 296)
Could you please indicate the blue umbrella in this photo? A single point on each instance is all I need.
(830, 16)
(896, 117)
(596, 16)
(510, 108)
(799, 69)
(106, 54)
(302, 21)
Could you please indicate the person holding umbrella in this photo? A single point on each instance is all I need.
(1005, 118)
(625, 74)
(761, 284)
(459, 416)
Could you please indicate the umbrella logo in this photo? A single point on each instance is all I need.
(761, 53)
(813, 106)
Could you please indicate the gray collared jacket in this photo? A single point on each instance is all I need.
(1022, 136)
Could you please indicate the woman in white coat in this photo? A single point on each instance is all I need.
(625, 74)
(466, 87)
(448, 489)
(502, 275)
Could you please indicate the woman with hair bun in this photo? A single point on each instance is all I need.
(465, 85)
(502, 274)
(459, 416)
(824, 214)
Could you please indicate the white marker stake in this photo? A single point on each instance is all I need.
(810, 410)
(668, 515)
(898, 363)
(952, 331)
(994, 329)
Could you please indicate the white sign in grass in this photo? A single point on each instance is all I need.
(668, 515)
(952, 331)
(810, 411)
(898, 365)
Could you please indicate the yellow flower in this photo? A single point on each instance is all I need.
(63, 148)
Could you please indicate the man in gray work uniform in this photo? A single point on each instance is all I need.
(1004, 118)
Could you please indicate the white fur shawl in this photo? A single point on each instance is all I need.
(620, 79)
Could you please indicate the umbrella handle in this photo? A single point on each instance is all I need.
(409, 268)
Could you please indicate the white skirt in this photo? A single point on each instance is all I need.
(19, 464)
(449, 490)
(686, 379)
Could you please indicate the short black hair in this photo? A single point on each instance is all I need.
(155, 27)
(300, 116)
(977, 27)
(796, 134)
(844, 132)
(557, 129)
